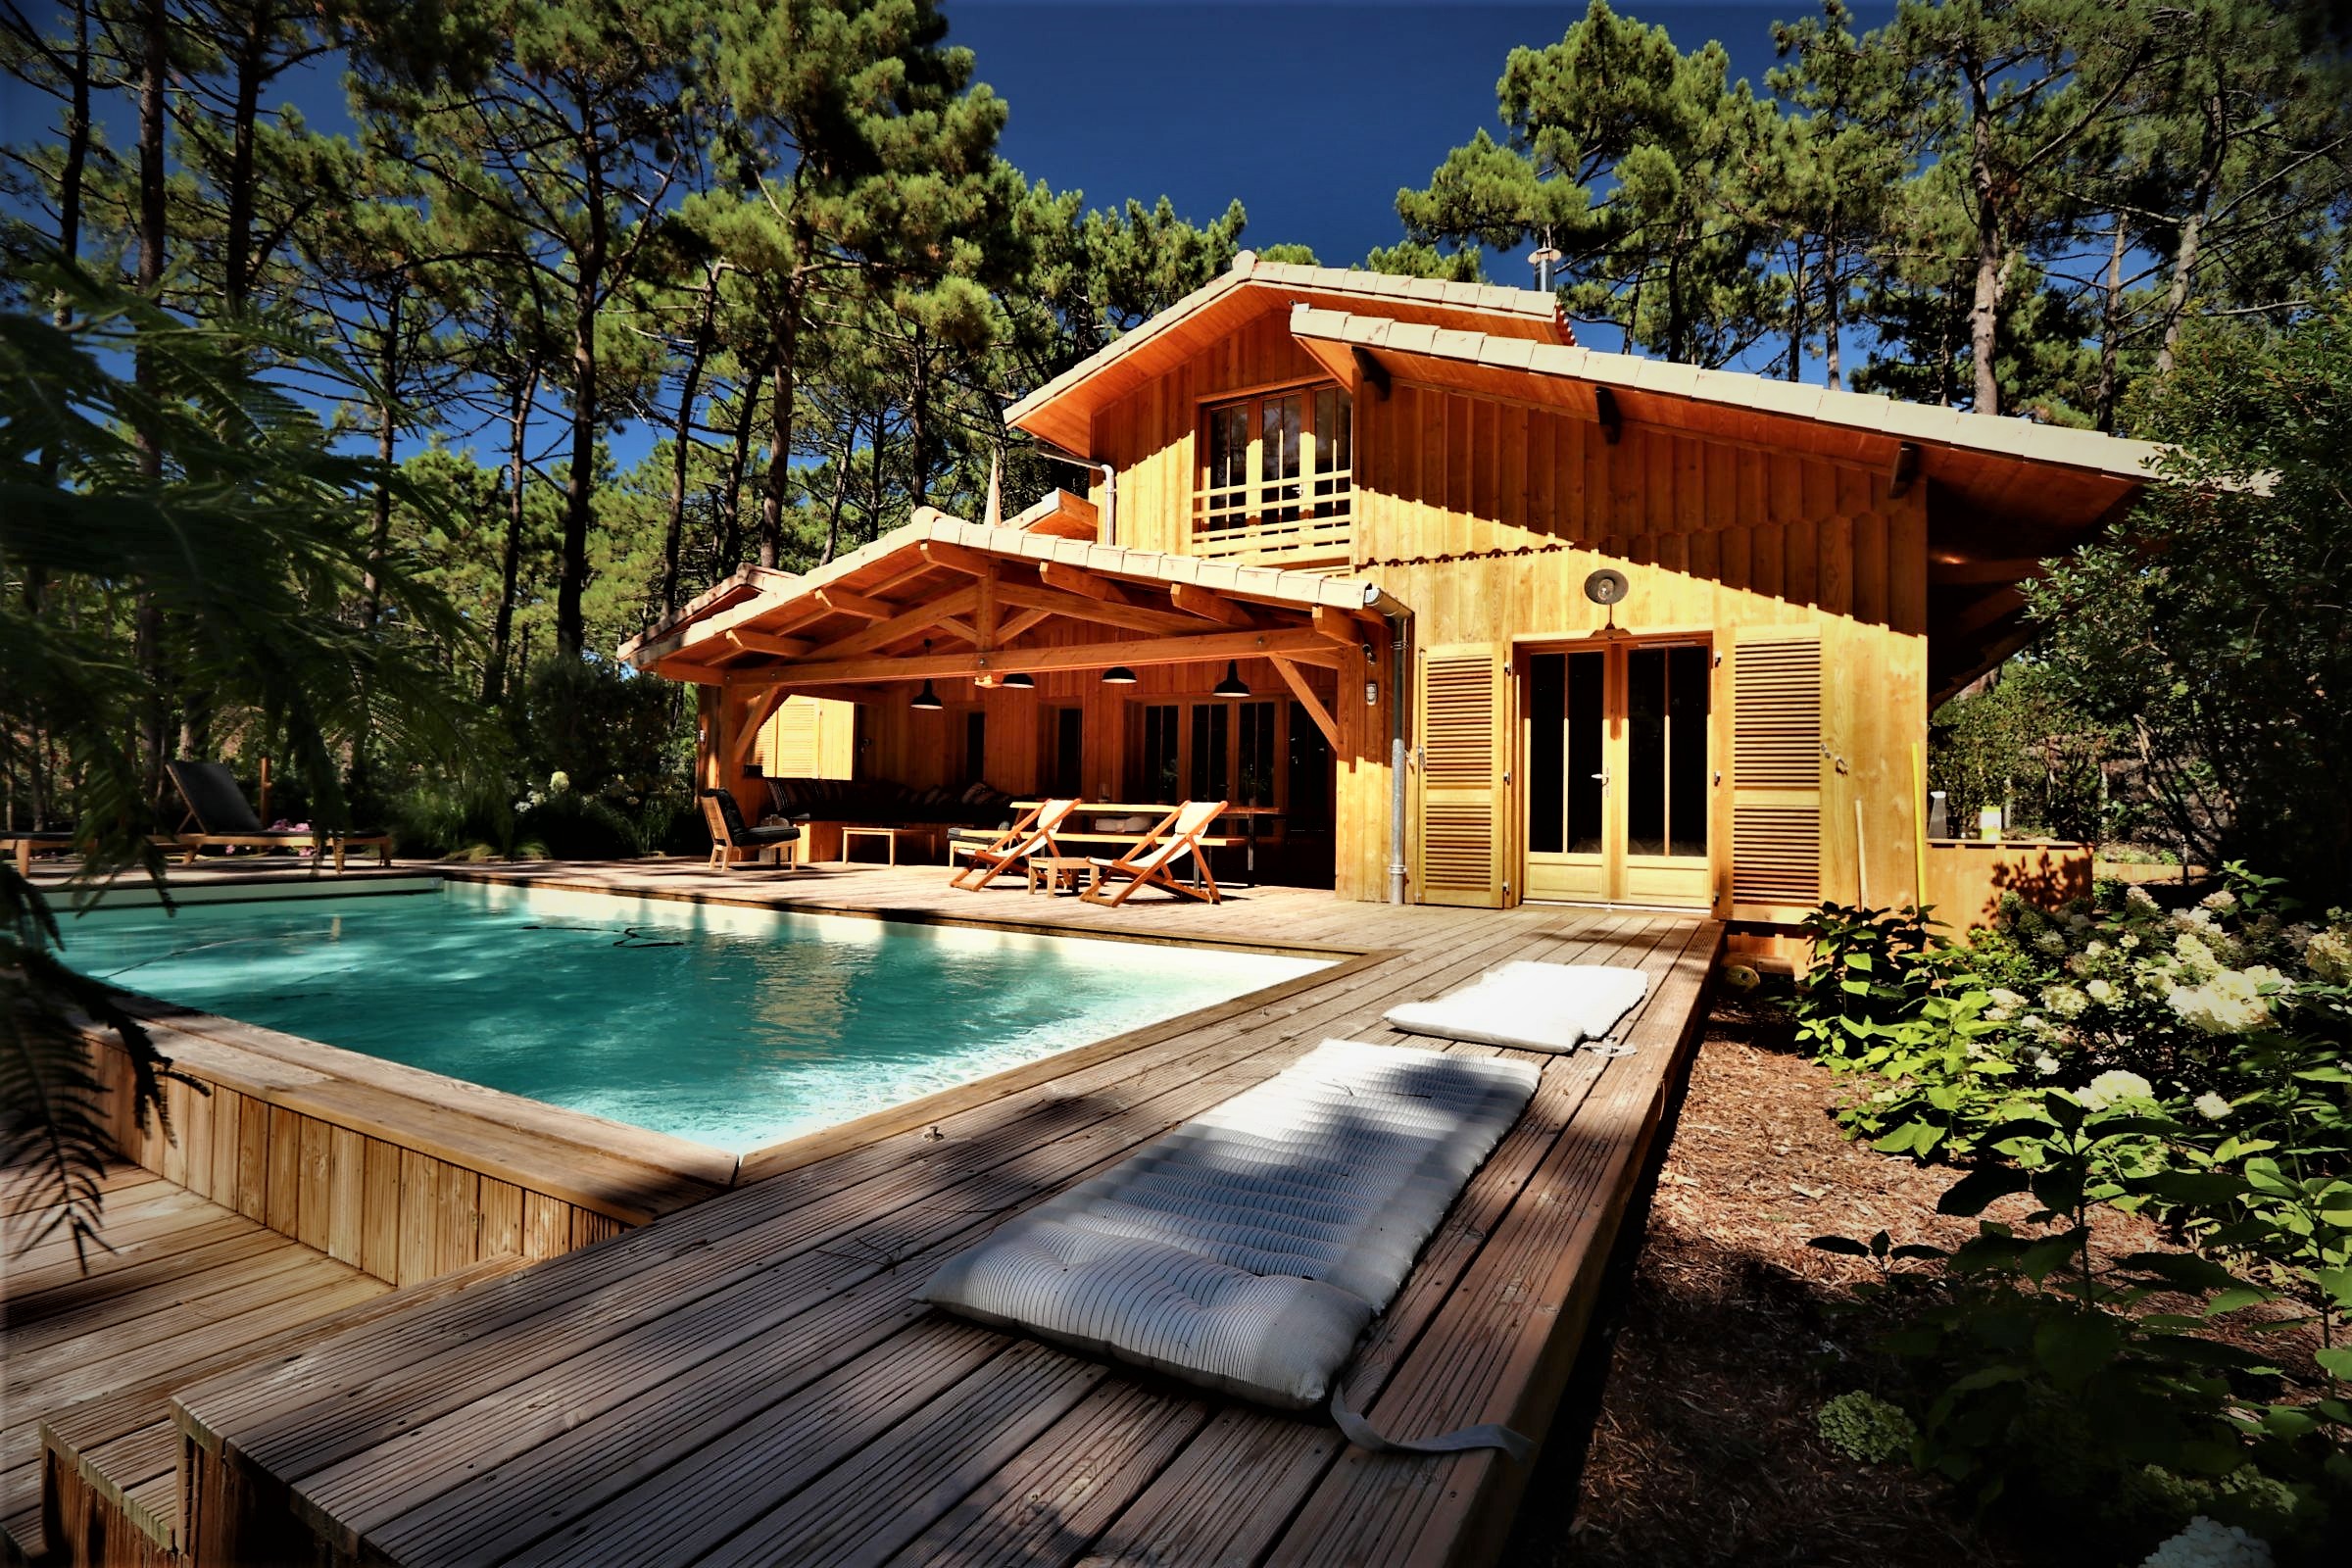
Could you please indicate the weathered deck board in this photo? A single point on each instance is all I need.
(749, 1379)
(188, 1283)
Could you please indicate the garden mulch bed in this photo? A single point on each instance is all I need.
(1714, 1356)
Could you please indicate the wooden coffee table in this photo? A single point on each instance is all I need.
(1060, 873)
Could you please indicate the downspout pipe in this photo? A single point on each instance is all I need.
(1399, 628)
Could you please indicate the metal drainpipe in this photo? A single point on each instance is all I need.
(1110, 505)
(1397, 867)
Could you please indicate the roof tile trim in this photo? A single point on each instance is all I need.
(1859, 411)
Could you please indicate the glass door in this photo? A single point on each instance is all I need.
(1619, 786)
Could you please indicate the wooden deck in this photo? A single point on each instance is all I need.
(190, 1287)
(750, 1380)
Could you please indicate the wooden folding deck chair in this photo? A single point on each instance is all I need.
(1153, 861)
(219, 816)
(1033, 834)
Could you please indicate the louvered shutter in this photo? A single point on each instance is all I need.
(1775, 773)
(1464, 754)
(792, 739)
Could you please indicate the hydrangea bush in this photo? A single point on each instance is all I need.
(2189, 1064)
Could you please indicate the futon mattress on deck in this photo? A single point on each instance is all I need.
(1247, 1248)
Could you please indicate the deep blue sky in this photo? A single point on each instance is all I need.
(1312, 113)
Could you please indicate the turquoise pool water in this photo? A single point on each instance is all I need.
(732, 1027)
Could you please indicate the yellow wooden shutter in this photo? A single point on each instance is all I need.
(1464, 754)
(1776, 772)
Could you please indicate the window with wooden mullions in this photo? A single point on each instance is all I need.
(1244, 752)
(1279, 458)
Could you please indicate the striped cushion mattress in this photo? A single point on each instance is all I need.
(1247, 1250)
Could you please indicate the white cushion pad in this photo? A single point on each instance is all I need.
(1529, 1005)
(1247, 1248)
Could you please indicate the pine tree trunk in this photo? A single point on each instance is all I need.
(148, 634)
(2111, 320)
(682, 439)
(1796, 314)
(579, 491)
(2193, 233)
(1985, 309)
(1833, 304)
(237, 272)
(519, 422)
(779, 457)
(739, 462)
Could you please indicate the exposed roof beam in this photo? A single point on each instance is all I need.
(1375, 374)
(1078, 607)
(1303, 645)
(1021, 623)
(849, 604)
(760, 642)
(884, 632)
(1078, 580)
(1194, 600)
(957, 558)
(1336, 625)
(1296, 681)
(1611, 418)
(1905, 470)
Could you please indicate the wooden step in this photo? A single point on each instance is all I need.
(118, 1454)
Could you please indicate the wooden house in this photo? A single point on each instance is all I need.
(1474, 615)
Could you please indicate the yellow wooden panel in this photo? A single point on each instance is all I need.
(1463, 839)
(1776, 771)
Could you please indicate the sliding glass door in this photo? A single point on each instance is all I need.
(1619, 783)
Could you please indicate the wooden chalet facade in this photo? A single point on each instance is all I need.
(1307, 479)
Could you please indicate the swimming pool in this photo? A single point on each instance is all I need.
(734, 1027)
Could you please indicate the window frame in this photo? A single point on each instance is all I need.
(1254, 500)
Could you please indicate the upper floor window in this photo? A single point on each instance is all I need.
(1281, 461)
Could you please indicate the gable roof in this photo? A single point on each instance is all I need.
(897, 573)
(1061, 410)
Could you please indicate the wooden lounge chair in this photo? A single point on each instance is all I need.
(26, 843)
(218, 816)
(1152, 862)
(733, 840)
(1033, 834)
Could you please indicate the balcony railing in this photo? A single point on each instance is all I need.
(1270, 523)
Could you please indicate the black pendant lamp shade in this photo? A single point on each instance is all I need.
(1232, 685)
(926, 701)
(1118, 675)
(1021, 681)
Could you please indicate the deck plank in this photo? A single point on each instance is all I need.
(749, 1379)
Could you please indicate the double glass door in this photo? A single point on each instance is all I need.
(1619, 783)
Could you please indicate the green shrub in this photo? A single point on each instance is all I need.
(1862, 1426)
(567, 825)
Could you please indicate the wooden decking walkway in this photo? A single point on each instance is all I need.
(750, 1380)
(190, 1286)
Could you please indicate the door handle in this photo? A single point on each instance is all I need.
(1604, 778)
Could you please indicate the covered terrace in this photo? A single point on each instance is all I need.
(1035, 662)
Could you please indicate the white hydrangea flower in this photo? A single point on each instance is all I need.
(2221, 902)
(2127, 941)
(2212, 1106)
(2196, 957)
(2102, 991)
(1997, 1015)
(2207, 1545)
(2329, 954)
(2096, 947)
(2045, 1064)
(2139, 898)
(2003, 997)
(2065, 1000)
(2199, 921)
(2080, 964)
(2230, 1003)
(2115, 1086)
(2050, 942)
